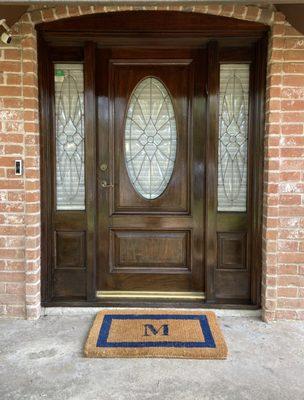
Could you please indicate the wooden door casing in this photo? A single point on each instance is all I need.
(133, 230)
(231, 243)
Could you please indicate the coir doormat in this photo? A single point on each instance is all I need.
(156, 333)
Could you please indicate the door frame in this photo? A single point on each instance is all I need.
(75, 39)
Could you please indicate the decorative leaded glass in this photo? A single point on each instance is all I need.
(69, 137)
(233, 132)
(150, 138)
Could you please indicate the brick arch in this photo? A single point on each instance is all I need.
(24, 32)
(36, 14)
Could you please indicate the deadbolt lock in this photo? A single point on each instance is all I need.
(103, 167)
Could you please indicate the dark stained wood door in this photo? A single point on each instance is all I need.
(100, 234)
(151, 244)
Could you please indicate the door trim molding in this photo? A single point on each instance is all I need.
(68, 40)
(90, 164)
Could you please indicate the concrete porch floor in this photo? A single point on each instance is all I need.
(43, 360)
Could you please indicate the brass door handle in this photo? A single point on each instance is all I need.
(105, 184)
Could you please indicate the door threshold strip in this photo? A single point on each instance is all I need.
(105, 294)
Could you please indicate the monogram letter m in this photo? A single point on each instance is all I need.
(154, 331)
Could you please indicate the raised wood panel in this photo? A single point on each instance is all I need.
(150, 251)
(70, 249)
(69, 283)
(231, 250)
(232, 285)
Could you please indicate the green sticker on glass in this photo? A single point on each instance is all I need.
(59, 72)
(59, 75)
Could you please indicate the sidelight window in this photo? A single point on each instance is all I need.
(233, 137)
(69, 125)
(150, 138)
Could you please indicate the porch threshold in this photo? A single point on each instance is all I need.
(49, 311)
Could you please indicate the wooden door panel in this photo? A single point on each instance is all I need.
(150, 251)
(231, 250)
(232, 287)
(70, 249)
(125, 75)
(69, 259)
(152, 245)
(69, 283)
(69, 274)
(232, 277)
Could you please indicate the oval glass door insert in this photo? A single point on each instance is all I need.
(150, 138)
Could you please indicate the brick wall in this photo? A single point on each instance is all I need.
(283, 224)
(284, 177)
(19, 196)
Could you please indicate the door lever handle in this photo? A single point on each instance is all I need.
(104, 184)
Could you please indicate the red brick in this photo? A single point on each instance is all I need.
(288, 269)
(15, 288)
(293, 105)
(10, 66)
(85, 9)
(278, 30)
(12, 54)
(293, 92)
(292, 117)
(61, 11)
(294, 68)
(290, 176)
(293, 80)
(290, 199)
(294, 55)
(292, 165)
(286, 314)
(252, 12)
(16, 311)
(293, 141)
(48, 15)
(227, 9)
(291, 303)
(289, 280)
(13, 149)
(11, 277)
(287, 292)
(73, 10)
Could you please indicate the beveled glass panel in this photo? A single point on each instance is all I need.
(69, 113)
(233, 137)
(150, 138)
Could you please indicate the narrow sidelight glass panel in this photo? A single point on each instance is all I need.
(150, 138)
(233, 137)
(69, 122)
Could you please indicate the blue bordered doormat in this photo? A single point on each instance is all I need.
(156, 333)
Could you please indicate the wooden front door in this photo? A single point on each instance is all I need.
(151, 158)
(151, 163)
